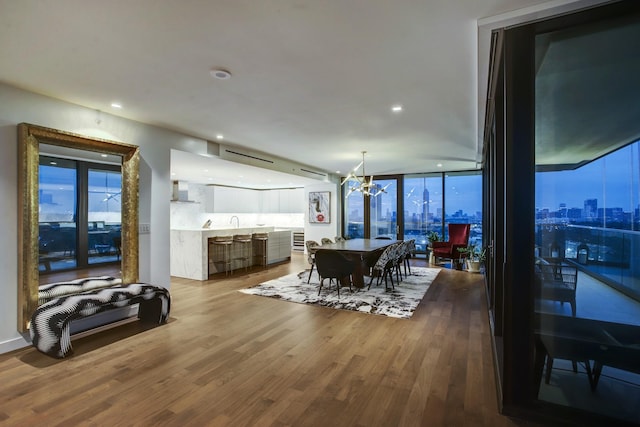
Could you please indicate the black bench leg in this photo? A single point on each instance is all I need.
(151, 311)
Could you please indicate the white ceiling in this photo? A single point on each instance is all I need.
(312, 81)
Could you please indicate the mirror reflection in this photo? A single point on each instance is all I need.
(79, 212)
(78, 201)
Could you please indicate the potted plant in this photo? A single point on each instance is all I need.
(433, 236)
(475, 257)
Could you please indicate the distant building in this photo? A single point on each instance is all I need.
(590, 211)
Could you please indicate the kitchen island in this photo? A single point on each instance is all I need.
(190, 249)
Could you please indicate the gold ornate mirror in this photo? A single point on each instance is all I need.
(29, 139)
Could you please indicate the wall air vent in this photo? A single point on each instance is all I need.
(322, 174)
(249, 156)
(266, 161)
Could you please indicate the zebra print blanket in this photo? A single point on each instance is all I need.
(54, 290)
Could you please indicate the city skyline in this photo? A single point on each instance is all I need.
(613, 180)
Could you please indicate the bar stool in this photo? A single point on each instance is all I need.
(222, 252)
(260, 248)
(242, 249)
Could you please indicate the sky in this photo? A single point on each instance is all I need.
(613, 180)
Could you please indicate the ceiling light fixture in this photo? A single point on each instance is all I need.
(219, 136)
(368, 188)
(396, 108)
(220, 74)
(116, 105)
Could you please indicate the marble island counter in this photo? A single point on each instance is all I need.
(189, 248)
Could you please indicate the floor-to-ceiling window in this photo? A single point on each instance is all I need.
(354, 214)
(422, 208)
(432, 201)
(587, 107)
(566, 127)
(383, 210)
(421, 200)
(463, 202)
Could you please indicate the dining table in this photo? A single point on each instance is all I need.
(359, 250)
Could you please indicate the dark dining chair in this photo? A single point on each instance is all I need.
(312, 247)
(333, 265)
(383, 267)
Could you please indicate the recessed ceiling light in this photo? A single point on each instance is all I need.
(439, 165)
(397, 108)
(219, 136)
(104, 155)
(116, 105)
(220, 74)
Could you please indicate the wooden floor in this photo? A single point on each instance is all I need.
(226, 358)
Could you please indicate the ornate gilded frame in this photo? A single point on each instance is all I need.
(29, 139)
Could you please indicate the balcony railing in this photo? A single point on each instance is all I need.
(610, 255)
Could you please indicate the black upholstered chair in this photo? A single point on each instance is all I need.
(333, 265)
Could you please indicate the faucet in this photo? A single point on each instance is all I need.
(237, 221)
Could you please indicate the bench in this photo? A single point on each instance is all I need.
(50, 323)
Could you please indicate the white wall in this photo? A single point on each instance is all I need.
(18, 106)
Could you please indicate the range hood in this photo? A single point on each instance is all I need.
(180, 192)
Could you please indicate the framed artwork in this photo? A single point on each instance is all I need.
(320, 207)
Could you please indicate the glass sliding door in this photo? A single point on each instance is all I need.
(104, 220)
(57, 213)
(586, 208)
(79, 213)
(562, 216)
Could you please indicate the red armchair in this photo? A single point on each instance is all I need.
(458, 238)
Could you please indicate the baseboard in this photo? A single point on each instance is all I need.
(13, 344)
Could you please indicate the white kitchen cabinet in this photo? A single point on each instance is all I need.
(220, 199)
(270, 201)
(234, 200)
(294, 201)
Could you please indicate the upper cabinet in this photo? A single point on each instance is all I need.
(243, 200)
(291, 200)
(232, 200)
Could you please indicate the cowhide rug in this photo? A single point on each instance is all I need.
(399, 303)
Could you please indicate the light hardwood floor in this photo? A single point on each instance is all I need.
(226, 358)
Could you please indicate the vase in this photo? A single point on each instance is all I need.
(473, 266)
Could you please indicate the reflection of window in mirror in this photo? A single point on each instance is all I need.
(79, 212)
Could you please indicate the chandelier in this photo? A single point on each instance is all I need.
(361, 184)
